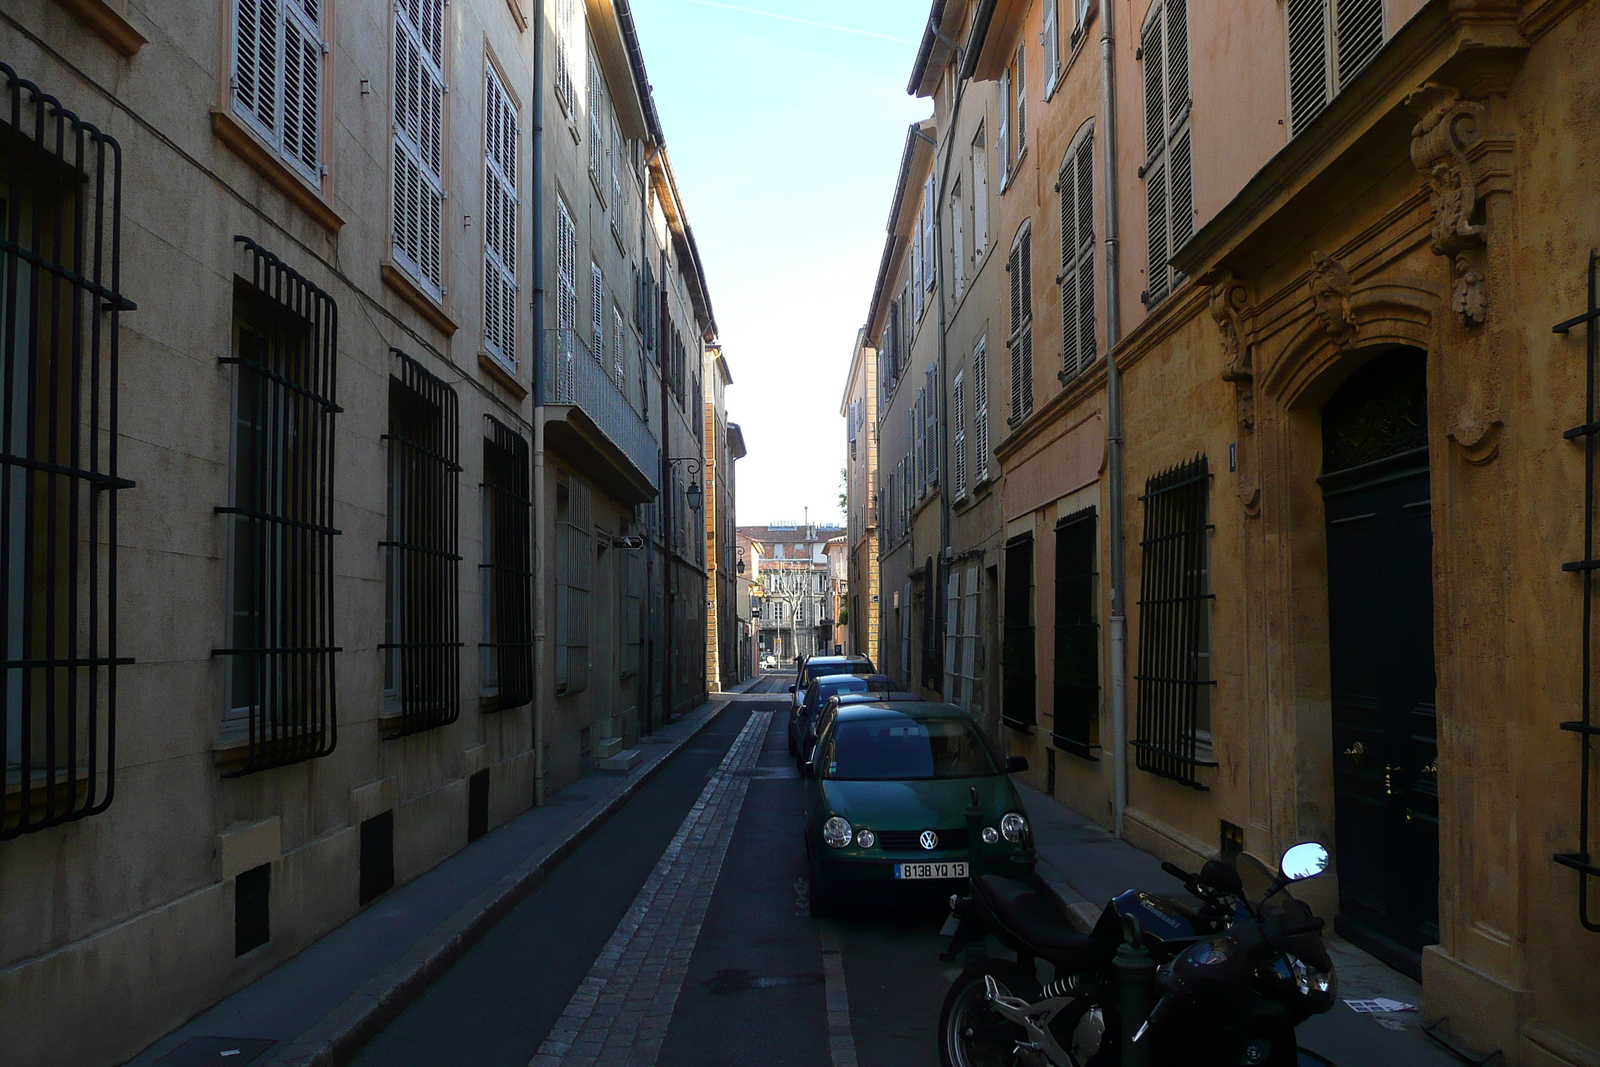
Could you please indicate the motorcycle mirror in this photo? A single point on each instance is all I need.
(1305, 860)
(791, 689)
(808, 769)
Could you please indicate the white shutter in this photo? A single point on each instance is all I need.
(597, 312)
(929, 207)
(980, 410)
(980, 199)
(1359, 30)
(566, 299)
(1002, 141)
(958, 251)
(1020, 132)
(563, 34)
(1177, 18)
(952, 642)
(277, 77)
(1077, 259)
(930, 437)
(958, 410)
(597, 133)
(915, 461)
(418, 140)
(1308, 61)
(618, 359)
(499, 222)
(1051, 39)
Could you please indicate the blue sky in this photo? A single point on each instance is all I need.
(785, 138)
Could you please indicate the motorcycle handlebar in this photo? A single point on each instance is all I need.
(1305, 926)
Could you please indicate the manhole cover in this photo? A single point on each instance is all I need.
(221, 1051)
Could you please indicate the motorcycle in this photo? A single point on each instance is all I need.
(1235, 973)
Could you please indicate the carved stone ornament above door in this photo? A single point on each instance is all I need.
(1447, 130)
(1331, 286)
(1227, 306)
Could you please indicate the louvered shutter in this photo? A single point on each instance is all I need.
(418, 137)
(277, 77)
(597, 312)
(958, 251)
(565, 11)
(1020, 133)
(1308, 61)
(980, 200)
(916, 269)
(618, 354)
(929, 207)
(1002, 140)
(1067, 185)
(1016, 332)
(958, 414)
(1359, 30)
(980, 410)
(930, 437)
(597, 137)
(255, 60)
(1182, 191)
(1156, 212)
(566, 300)
(1052, 43)
(916, 444)
(1177, 19)
(500, 222)
(302, 86)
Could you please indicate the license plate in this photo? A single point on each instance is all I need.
(957, 869)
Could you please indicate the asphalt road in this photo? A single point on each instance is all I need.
(680, 932)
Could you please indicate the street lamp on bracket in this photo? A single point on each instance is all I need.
(693, 493)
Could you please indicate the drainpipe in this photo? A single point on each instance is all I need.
(540, 345)
(668, 570)
(1119, 613)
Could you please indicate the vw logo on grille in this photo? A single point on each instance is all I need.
(929, 839)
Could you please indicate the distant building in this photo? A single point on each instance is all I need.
(793, 585)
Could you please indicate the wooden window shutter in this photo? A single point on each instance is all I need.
(500, 222)
(1308, 61)
(302, 86)
(276, 82)
(930, 437)
(1052, 43)
(1002, 141)
(618, 353)
(1155, 126)
(980, 410)
(255, 60)
(1014, 273)
(418, 141)
(597, 133)
(1182, 182)
(597, 312)
(565, 12)
(958, 414)
(1020, 134)
(1177, 19)
(1156, 212)
(980, 199)
(929, 209)
(1359, 31)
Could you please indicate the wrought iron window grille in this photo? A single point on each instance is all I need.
(1077, 637)
(507, 570)
(422, 657)
(1583, 860)
(60, 298)
(1175, 680)
(281, 691)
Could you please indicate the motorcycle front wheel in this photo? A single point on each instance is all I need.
(971, 1032)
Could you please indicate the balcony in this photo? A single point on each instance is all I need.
(590, 421)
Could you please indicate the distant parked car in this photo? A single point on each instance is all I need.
(802, 715)
(769, 662)
(817, 666)
(828, 709)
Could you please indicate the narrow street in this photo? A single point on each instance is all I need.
(709, 948)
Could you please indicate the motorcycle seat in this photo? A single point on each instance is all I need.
(1035, 917)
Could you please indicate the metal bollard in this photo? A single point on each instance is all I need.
(1135, 973)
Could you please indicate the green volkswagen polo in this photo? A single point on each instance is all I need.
(887, 795)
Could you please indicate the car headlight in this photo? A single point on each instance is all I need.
(990, 835)
(1014, 828)
(866, 838)
(836, 832)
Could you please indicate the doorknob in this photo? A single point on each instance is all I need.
(1356, 752)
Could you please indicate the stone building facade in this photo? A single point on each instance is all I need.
(1308, 557)
(343, 525)
(793, 588)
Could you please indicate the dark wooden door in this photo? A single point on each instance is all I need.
(1380, 651)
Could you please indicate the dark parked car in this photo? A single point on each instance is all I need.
(818, 666)
(831, 706)
(803, 714)
(886, 801)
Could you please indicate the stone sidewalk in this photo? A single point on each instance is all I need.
(1088, 866)
(317, 1007)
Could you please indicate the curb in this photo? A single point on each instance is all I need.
(340, 1034)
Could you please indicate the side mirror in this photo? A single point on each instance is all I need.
(1305, 860)
(1016, 764)
(792, 689)
(808, 769)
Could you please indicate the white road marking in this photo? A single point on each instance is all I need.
(841, 1043)
(620, 1013)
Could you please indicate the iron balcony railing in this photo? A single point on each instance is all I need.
(576, 376)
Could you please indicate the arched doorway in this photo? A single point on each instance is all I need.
(1375, 490)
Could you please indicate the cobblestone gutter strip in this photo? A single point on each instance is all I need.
(341, 1033)
(620, 1013)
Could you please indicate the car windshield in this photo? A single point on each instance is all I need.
(899, 748)
(834, 684)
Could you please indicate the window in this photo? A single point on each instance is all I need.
(418, 191)
(1175, 676)
(980, 197)
(1330, 41)
(599, 148)
(1020, 268)
(958, 408)
(1019, 130)
(980, 412)
(1077, 637)
(619, 354)
(1168, 173)
(958, 239)
(565, 29)
(280, 654)
(507, 570)
(962, 684)
(1076, 183)
(1051, 39)
(499, 222)
(59, 313)
(1082, 10)
(574, 567)
(422, 659)
(1017, 680)
(566, 300)
(277, 77)
(1002, 141)
(930, 429)
(929, 208)
(919, 477)
(631, 581)
(916, 294)
(597, 312)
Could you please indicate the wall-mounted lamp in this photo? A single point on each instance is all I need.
(694, 494)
